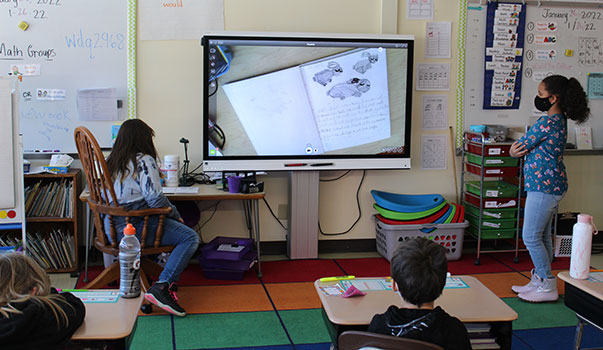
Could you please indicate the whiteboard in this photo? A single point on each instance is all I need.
(578, 28)
(70, 45)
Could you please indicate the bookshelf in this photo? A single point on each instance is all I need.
(52, 219)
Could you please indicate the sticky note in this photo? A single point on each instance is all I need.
(569, 52)
(23, 25)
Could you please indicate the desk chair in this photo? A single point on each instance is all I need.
(354, 340)
(101, 189)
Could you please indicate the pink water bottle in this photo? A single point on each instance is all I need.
(582, 239)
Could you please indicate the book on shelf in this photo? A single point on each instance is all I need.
(49, 199)
(52, 250)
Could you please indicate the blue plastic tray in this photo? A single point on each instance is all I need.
(407, 203)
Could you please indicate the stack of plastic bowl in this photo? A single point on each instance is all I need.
(412, 209)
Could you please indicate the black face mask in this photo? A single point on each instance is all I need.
(542, 103)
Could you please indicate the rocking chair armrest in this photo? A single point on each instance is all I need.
(149, 211)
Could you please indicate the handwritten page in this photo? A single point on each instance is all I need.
(275, 113)
(353, 107)
(435, 112)
(97, 104)
(7, 175)
(179, 19)
(433, 152)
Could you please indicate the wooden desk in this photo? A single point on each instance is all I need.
(474, 304)
(109, 323)
(586, 299)
(206, 193)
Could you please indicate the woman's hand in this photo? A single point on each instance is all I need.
(518, 149)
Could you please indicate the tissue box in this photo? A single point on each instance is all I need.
(56, 169)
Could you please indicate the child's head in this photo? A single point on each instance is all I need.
(572, 98)
(22, 280)
(419, 269)
(134, 137)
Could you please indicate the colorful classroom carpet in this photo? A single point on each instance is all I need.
(281, 310)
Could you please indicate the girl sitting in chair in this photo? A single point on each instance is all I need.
(32, 314)
(137, 184)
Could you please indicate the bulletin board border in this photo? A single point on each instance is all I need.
(131, 57)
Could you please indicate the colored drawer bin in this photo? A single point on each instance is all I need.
(492, 189)
(493, 233)
(492, 223)
(476, 136)
(490, 203)
(491, 213)
(493, 172)
(496, 150)
(492, 161)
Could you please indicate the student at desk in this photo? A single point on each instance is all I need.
(32, 314)
(137, 184)
(419, 268)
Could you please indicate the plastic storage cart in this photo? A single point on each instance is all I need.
(492, 203)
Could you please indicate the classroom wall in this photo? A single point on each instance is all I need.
(170, 100)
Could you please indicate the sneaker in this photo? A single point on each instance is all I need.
(162, 295)
(528, 287)
(546, 291)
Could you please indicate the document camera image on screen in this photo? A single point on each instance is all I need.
(274, 101)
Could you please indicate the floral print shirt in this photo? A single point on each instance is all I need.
(143, 188)
(544, 170)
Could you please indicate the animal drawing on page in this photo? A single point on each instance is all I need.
(366, 62)
(326, 76)
(353, 87)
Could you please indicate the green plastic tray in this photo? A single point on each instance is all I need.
(492, 234)
(492, 223)
(491, 213)
(493, 189)
(492, 161)
(394, 215)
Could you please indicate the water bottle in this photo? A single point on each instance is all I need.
(582, 239)
(129, 264)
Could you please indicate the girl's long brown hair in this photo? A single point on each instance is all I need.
(134, 137)
(22, 280)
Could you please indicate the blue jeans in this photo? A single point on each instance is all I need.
(184, 238)
(539, 210)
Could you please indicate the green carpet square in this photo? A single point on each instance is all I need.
(541, 315)
(305, 326)
(229, 330)
(153, 333)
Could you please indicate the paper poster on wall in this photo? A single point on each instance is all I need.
(435, 112)
(97, 104)
(595, 86)
(433, 76)
(419, 9)
(179, 19)
(433, 152)
(437, 39)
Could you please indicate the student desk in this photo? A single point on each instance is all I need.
(206, 193)
(586, 299)
(474, 304)
(108, 324)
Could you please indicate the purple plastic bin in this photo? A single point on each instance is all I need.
(210, 250)
(242, 265)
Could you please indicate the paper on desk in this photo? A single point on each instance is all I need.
(595, 277)
(368, 284)
(180, 190)
(332, 290)
(60, 160)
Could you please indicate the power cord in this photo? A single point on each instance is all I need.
(273, 215)
(357, 204)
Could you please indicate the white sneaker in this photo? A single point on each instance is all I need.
(546, 291)
(528, 287)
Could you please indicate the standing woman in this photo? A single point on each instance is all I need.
(137, 184)
(545, 179)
